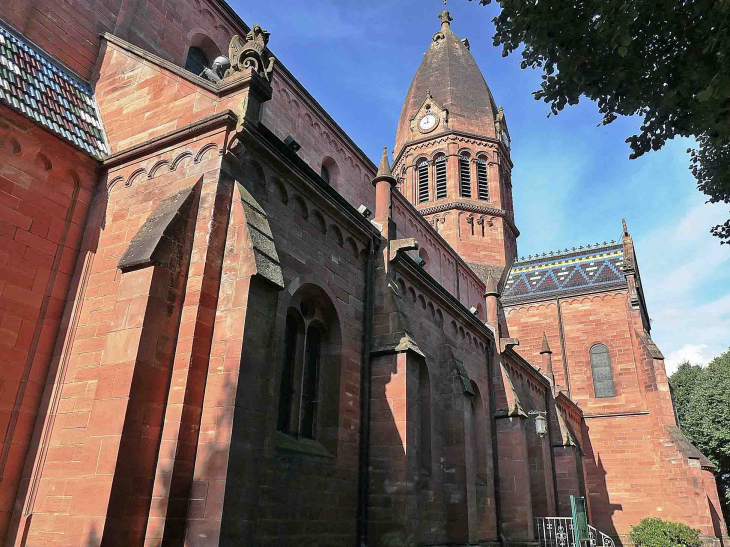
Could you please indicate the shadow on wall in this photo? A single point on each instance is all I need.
(602, 510)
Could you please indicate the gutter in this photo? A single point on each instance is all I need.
(365, 389)
(495, 441)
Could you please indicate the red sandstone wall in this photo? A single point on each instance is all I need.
(45, 192)
(451, 499)
(633, 468)
(75, 495)
(443, 261)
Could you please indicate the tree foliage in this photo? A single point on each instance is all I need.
(667, 61)
(655, 532)
(702, 398)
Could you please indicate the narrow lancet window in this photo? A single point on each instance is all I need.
(423, 182)
(482, 180)
(603, 385)
(441, 177)
(465, 176)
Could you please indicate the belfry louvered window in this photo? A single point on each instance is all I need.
(602, 372)
(440, 177)
(423, 182)
(465, 176)
(482, 180)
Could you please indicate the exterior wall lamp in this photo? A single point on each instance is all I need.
(541, 425)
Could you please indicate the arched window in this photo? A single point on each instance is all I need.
(330, 171)
(309, 388)
(440, 163)
(197, 61)
(201, 53)
(482, 179)
(325, 174)
(422, 169)
(603, 385)
(465, 176)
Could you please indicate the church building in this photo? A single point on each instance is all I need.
(222, 324)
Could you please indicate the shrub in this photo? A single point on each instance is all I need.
(655, 532)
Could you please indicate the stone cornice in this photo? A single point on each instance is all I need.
(459, 136)
(471, 208)
(448, 299)
(227, 118)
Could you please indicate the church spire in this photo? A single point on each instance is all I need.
(384, 169)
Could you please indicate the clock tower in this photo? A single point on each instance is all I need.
(452, 154)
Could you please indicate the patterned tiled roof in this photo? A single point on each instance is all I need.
(33, 85)
(565, 273)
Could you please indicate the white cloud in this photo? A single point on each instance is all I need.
(697, 354)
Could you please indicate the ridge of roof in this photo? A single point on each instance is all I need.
(47, 93)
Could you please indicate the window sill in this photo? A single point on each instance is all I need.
(287, 443)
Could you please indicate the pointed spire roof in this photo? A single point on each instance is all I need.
(451, 75)
(545, 345)
(384, 169)
(384, 172)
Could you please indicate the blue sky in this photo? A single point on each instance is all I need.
(573, 181)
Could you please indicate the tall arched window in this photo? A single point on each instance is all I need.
(197, 61)
(422, 170)
(440, 163)
(309, 388)
(482, 179)
(603, 385)
(465, 176)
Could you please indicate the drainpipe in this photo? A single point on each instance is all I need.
(365, 386)
(548, 406)
(495, 442)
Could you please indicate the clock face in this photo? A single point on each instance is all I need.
(427, 122)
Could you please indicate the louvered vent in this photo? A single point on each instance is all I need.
(482, 180)
(465, 176)
(423, 182)
(441, 177)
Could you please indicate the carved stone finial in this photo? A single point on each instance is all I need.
(490, 288)
(545, 345)
(384, 169)
(251, 53)
(446, 19)
(626, 230)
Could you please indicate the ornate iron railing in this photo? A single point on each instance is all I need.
(558, 532)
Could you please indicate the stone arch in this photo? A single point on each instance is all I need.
(134, 176)
(352, 246)
(319, 222)
(330, 171)
(156, 167)
(203, 151)
(42, 162)
(179, 159)
(253, 175)
(337, 234)
(278, 189)
(300, 206)
(198, 42)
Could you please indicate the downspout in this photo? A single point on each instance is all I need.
(495, 443)
(365, 387)
(548, 396)
(562, 348)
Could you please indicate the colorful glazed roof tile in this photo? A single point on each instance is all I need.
(42, 91)
(565, 273)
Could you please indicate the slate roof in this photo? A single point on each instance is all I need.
(450, 73)
(565, 273)
(42, 90)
